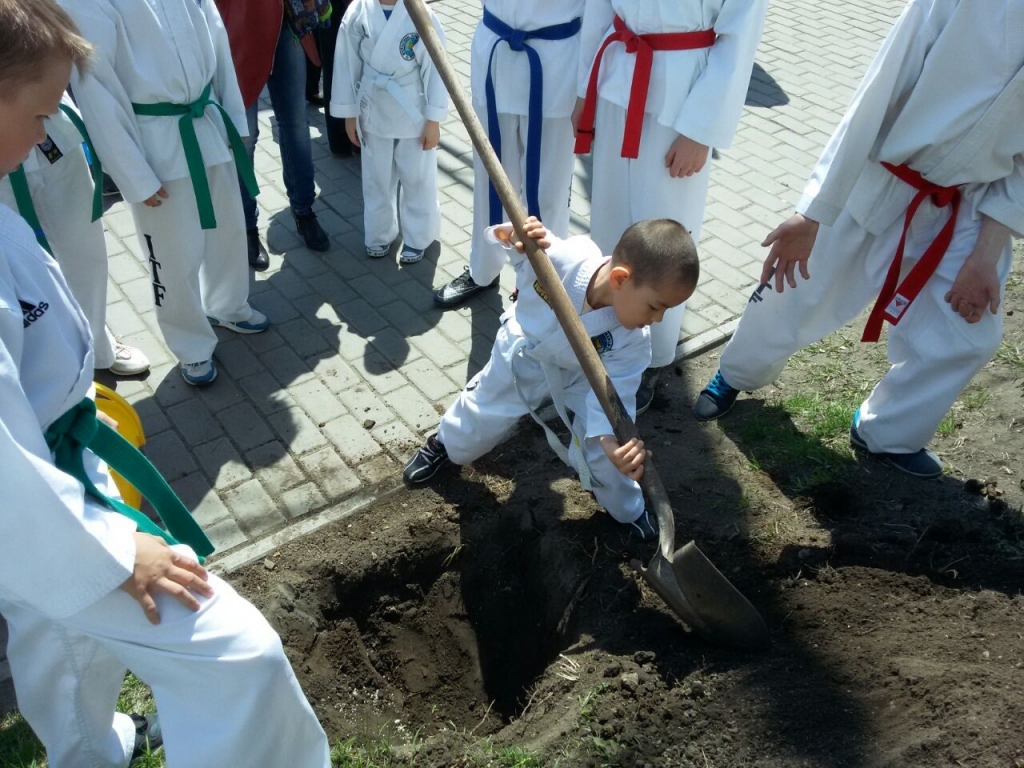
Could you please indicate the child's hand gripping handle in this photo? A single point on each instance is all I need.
(570, 321)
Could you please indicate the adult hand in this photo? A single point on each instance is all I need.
(685, 157)
(154, 201)
(576, 112)
(977, 283)
(160, 569)
(629, 458)
(350, 129)
(791, 244)
(431, 134)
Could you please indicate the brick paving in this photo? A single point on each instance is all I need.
(316, 417)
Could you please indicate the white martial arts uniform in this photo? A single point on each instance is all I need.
(61, 187)
(225, 691)
(510, 73)
(694, 93)
(957, 120)
(167, 52)
(531, 360)
(384, 76)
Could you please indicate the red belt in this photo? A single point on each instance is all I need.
(894, 299)
(644, 47)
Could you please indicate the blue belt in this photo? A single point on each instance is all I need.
(516, 39)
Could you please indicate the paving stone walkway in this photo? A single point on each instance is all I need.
(315, 418)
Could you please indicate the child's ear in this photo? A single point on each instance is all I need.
(619, 275)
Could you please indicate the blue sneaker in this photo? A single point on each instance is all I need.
(199, 374)
(643, 529)
(716, 399)
(922, 463)
(257, 323)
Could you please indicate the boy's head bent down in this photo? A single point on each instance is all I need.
(38, 45)
(654, 267)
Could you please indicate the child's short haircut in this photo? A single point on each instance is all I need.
(658, 251)
(33, 32)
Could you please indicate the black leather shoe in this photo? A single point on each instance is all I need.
(311, 232)
(258, 258)
(149, 739)
(459, 290)
(426, 463)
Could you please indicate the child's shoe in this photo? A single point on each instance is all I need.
(149, 739)
(378, 251)
(257, 323)
(128, 361)
(716, 399)
(460, 289)
(411, 255)
(922, 463)
(426, 463)
(199, 374)
(643, 528)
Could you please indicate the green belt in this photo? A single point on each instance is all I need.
(194, 156)
(23, 199)
(78, 429)
(94, 162)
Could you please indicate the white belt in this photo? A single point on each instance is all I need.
(393, 84)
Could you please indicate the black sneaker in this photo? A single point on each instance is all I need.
(645, 392)
(426, 463)
(459, 290)
(643, 528)
(922, 463)
(109, 187)
(148, 736)
(258, 258)
(716, 399)
(311, 232)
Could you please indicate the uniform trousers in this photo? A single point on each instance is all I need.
(627, 191)
(933, 352)
(556, 164)
(196, 272)
(491, 404)
(388, 163)
(62, 195)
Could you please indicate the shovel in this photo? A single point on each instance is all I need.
(685, 579)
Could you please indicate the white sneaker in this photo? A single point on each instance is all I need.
(199, 374)
(128, 361)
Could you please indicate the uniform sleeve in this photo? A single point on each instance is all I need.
(597, 18)
(625, 368)
(892, 74)
(1004, 200)
(225, 81)
(433, 86)
(712, 108)
(59, 552)
(107, 110)
(348, 67)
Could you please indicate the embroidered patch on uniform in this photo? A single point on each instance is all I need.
(50, 150)
(31, 312)
(603, 342)
(540, 292)
(407, 45)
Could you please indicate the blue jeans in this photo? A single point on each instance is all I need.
(287, 86)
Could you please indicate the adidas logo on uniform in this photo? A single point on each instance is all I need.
(32, 312)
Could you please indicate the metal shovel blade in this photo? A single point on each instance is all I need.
(703, 598)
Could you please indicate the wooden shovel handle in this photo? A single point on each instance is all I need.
(588, 358)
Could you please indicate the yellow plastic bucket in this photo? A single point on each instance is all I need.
(130, 428)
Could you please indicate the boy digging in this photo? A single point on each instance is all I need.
(653, 267)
